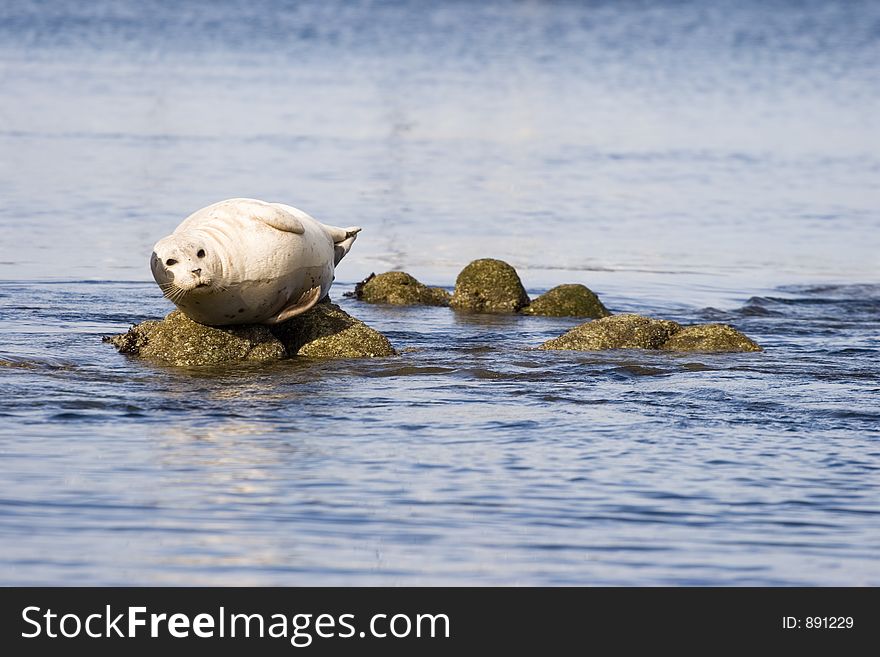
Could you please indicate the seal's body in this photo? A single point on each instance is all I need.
(244, 261)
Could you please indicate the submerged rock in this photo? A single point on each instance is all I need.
(616, 332)
(326, 331)
(710, 338)
(21, 364)
(572, 300)
(489, 286)
(401, 289)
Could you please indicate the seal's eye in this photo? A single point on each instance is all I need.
(170, 261)
(201, 253)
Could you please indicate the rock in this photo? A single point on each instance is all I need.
(178, 340)
(489, 286)
(400, 289)
(19, 364)
(637, 332)
(709, 338)
(325, 331)
(573, 300)
(616, 332)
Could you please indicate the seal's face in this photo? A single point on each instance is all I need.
(182, 265)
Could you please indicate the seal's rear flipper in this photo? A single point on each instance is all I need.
(342, 238)
(304, 303)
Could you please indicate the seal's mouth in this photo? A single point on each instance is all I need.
(202, 285)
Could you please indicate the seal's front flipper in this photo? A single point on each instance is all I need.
(342, 238)
(304, 303)
(278, 218)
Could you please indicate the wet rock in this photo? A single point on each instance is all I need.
(18, 364)
(178, 340)
(616, 332)
(326, 331)
(489, 286)
(710, 338)
(638, 332)
(573, 300)
(401, 289)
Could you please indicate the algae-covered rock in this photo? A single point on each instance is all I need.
(489, 286)
(616, 332)
(573, 300)
(178, 340)
(709, 338)
(325, 331)
(401, 289)
(638, 332)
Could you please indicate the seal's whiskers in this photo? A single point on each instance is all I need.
(172, 292)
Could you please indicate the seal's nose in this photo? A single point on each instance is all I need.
(196, 271)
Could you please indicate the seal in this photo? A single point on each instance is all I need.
(244, 261)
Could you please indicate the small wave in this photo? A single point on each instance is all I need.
(757, 310)
(409, 370)
(638, 370)
(844, 303)
(17, 362)
(70, 416)
(835, 291)
(483, 373)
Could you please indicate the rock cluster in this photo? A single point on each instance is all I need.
(326, 331)
(484, 286)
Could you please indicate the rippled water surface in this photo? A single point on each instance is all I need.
(693, 161)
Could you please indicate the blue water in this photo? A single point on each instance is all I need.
(693, 161)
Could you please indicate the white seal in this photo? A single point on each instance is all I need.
(244, 261)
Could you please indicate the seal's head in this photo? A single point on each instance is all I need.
(182, 264)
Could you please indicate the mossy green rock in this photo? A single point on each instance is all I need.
(616, 332)
(710, 338)
(638, 332)
(326, 331)
(572, 300)
(178, 340)
(489, 286)
(400, 289)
